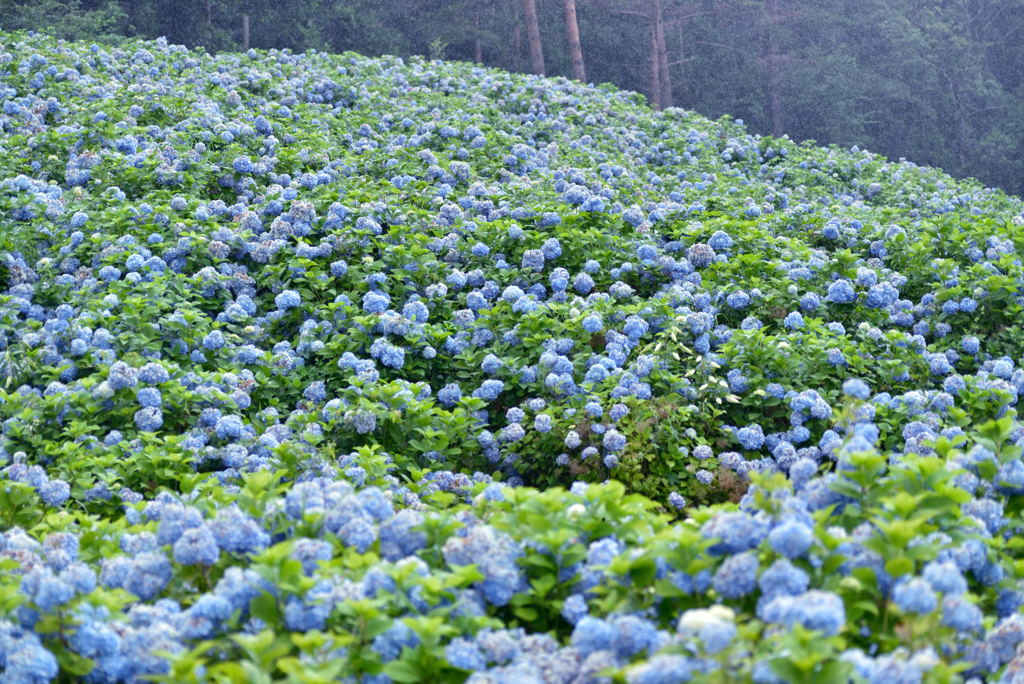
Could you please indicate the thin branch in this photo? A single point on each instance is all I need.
(675, 18)
(1011, 32)
(630, 12)
(711, 43)
(986, 109)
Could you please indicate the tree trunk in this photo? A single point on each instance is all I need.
(959, 116)
(664, 77)
(655, 65)
(517, 48)
(209, 12)
(245, 31)
(478, 47)
(772, 67)
(572, 30)
(517, 38)
(533, 37)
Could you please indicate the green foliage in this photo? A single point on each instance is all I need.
(67, 19)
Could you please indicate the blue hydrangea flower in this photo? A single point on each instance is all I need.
(399, 537)
(737, 576)
(593, 634)
(575, 608)
(229, 427)
(841, 292)
(783, 578)
(449, 395)
(214, 341)
(54, 492)
(915, 595)
(376, 302)
(882, 295)
(736, 532)
(495, 554)
(791, 539)
(793, 320)
(960, 614)
(149, 397)
(289, 299)
(701, 255)
(663, 669)
(533, 259)
(489, 390)
(945, 577)
(50, 592)
(148, 575)
(593, 323)
(614, 441)
(856, 388)
(751, 437)
(465, 655)
(583, 284)
(310, 552)
(818, 610)
(149, 419)
(153, 374)
(196, 546)
(237, 532)
(25, 658)
(389, 644)
(633, 215)
(714, 627)
(720, 241)
(738, 300)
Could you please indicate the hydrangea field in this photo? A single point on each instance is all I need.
(321, 368)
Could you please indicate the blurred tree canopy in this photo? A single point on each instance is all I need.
(938, 82)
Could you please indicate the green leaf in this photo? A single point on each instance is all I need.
(897, 567)
(402, 671)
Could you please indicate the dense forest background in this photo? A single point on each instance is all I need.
(939, 82)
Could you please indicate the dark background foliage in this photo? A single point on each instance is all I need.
(939, 82)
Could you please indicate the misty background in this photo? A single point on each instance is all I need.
(939, 82)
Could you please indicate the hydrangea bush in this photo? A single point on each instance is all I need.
(325, 368)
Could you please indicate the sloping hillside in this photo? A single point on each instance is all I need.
(279, 330)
